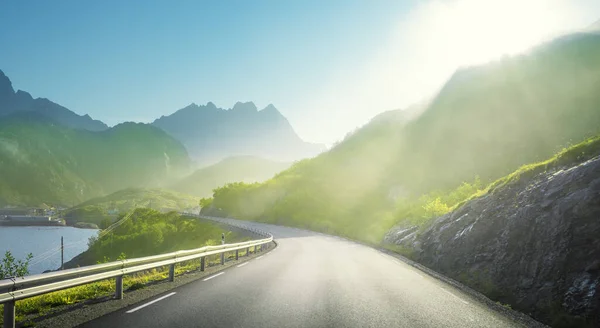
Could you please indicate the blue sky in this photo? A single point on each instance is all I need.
(328, 66)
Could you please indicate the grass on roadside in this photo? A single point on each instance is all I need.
(44, 304)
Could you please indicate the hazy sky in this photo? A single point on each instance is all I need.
(329, 66)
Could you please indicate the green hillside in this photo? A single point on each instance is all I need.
(491, 119)
(43, 162)
(234, 169)
(485, 122)
(146, 232)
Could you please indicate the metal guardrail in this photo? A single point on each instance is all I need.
(14, 289)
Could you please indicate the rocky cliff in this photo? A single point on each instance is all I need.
(533, 243)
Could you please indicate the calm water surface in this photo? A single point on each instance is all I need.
(44, 244)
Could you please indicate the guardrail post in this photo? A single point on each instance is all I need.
(119, 287)
(172, 272)
(223, 258)
(247, 251)
(202, 261)
(9, 314)
(237, 254)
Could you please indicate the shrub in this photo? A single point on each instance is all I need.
(10, 267)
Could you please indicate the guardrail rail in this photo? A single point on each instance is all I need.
(19, 288)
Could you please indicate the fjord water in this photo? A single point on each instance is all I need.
(44, 244)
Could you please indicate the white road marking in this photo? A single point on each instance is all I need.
(216, 275)
(399, 262)
(449, 293)
(241, 265)
(151, 302)
(258, 258)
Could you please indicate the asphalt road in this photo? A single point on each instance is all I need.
(311, 280)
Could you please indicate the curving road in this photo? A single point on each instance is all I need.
(311, 280)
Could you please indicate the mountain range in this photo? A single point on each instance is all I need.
(211, 134)
(49, 154)
(485, 121)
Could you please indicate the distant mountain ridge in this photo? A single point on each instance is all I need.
(212, 134)
(209, 133)
(21, 101)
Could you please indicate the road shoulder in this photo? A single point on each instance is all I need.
(73, 315)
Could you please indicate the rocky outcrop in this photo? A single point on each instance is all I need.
(533, 243)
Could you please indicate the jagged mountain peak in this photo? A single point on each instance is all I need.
(271, 112)
(244, 107)
(24, 95)
(270, 108)
(210, 105)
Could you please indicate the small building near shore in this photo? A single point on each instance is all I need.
(28, 218)
(33, 220)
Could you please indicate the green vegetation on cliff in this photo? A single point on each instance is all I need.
(420, 212)
(486, 122)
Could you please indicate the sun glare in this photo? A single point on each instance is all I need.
(477, 31)
(431, 42)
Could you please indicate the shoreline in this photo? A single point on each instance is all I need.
(7, 223)
(77, 225)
